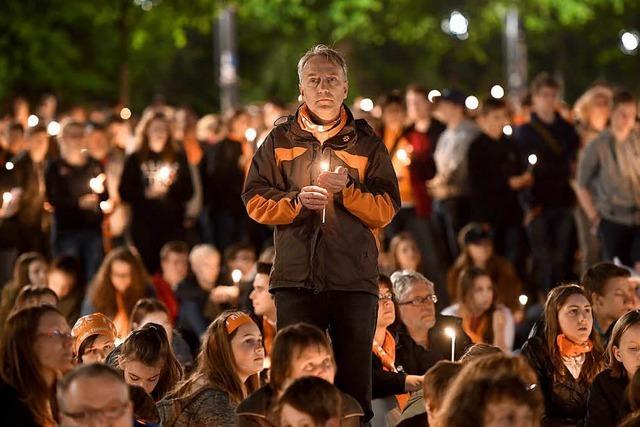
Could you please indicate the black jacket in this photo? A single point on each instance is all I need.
(14, 412)
(65, 185)
(491, 163)
(385, 383)
(608, 403)
(161, 213)
(416, 360)
(553, 171)
(565, 398)
(342, 253)
(222, 176)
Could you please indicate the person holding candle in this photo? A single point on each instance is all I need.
(156, 182)
(549, 202)
(496, 175)
(423, 338)
(566, 355)
(75, 186)
(326, 273)
(482, 319)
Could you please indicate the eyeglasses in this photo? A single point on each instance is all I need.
(385, 297)
(421, 300)
(62, 336)
(111, 413)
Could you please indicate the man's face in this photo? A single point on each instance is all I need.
(493, 122)
(617, 299)
(422, 314)
(393, 116)
(96, 402)
(260, 297)
(418, 107)
(72, 140)
(38, 146)
(544, 100)
(175, 267)
(623, 117)
(323, 88)
(206, 269)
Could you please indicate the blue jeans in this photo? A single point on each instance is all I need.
(84, 245)
(551, 234)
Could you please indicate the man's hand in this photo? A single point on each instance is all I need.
(10, 203)
(313, 197)
(335, 181)
(519, 182)
(89, 202)
(224, 294)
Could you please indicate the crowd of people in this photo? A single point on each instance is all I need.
(446, 267)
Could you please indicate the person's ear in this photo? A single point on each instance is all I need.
(616, 353)
(301, 92)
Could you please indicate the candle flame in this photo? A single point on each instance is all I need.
(450, 332)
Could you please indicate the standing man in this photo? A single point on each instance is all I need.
(325, 180)
(549, 208)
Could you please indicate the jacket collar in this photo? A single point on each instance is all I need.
(344, 139)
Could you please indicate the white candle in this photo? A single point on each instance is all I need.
(164, 173)
(7, 198)
(451, 333)
(97, 184)
(325, 167)
(236, 275)
(532, 159)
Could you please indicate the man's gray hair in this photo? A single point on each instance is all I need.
(403, 281)
(326, 52)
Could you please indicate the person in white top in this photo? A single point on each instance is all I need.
(482, 319)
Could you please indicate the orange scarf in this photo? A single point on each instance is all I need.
(475, 328)
(570, 349)
(121, 319)
(268, 334)
(321, 132)
(387, 355)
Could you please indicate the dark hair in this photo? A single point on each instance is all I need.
(101, 292)
(437, 381)
(385, 281)
(92, 370)
(15, 126)
(479, 350)
(68, 265)
(489, 105)
(313, 396)
(597, 276)
(149, 345)
(289, 343)
(622, 96)
(466, 284)
(20, 280)
(233, 250)
(466, 403)
(231, 116)
(543, 80)
(169, 152)
(392, 98)
(30, 294)
(19, 366)
(419, 89)
(594, 359)
(175, 246)
(144, 307)
(37, 129)
(633, 391)
(622, 325)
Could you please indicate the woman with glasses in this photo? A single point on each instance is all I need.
(35, 351)
(391, 386)
(566, 355)
(227, 368)
(423, 337)
(299, 350)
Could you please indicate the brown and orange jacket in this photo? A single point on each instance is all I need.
(342, 252)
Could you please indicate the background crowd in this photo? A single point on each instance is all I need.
(128, 262)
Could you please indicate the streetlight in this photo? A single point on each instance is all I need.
(629, 41)
(497, 92)
(456, 25)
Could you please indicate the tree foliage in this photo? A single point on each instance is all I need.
(88, 51)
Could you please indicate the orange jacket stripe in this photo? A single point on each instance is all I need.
(288, 154)
(354, 161)
(272, 212)
(376, 211)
